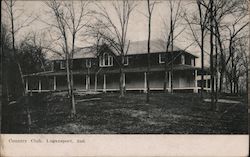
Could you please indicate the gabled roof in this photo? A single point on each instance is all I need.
(136, 47)
(141, 47)
(85, 52)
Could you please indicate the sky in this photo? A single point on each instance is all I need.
(138, 23)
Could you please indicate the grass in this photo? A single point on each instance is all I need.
(164, 114)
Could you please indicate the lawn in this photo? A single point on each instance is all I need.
(164, 114)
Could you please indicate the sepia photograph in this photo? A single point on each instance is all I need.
(124, 67)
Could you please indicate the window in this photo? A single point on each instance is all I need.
(126, 60)
(105, 60)
(88, 63)
(62, 64)
(192, 62)
(162, 58)
(52, 66)
(182, 59)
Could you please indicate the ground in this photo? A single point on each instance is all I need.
(107, 113)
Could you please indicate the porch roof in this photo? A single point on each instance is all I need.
(108, 70)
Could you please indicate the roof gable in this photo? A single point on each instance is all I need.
(141, 47)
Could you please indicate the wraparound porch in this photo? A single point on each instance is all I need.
(105, 82)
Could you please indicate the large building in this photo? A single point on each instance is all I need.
(99, 71)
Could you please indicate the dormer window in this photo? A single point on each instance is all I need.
(162, 58)
(126, 60)
(105, 60)
(62, 64)
(88, 63)
(182, 59)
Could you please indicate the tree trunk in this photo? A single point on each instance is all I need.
(237, 88)
(219, 60)
(202, 62)
(70, 85)
(72, 96)
(235, 85)
(165, 67)
(121, 82)
(148, 55)
(148, 67)
(17, 61)
(172, 49)
(247, 78)
(148, 88)
(216, 69)
(212, 56)
(165, 75)
(68, 75)
(22, 78)
(88, 80)
(235, 79)
(202, 25)
(148, 72)
(165, 81)
(222, 74)
(14, 49)
(73, 108)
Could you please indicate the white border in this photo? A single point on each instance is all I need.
(127, 145)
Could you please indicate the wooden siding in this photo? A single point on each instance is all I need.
(134, 61)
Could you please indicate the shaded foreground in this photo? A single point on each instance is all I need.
(165, 114)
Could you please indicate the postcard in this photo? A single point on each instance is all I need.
(124, 78)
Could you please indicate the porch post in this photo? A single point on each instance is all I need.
(26, 85)
(206, 83)
(210, 83)
(87, 82)
(195, 82)
(54, 83)
(39, 85)
(95, 82)
(86, 87)
(169, 81)
(104, 82)
(145, 82)
(124, 81)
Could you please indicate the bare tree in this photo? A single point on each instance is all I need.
(233, 32)
(31, 50)
(240, 68)
(35, 41)
(115, 35)
(211, 22)
(5, 44)
(242, 62)
(150, 8)
(13, 14)
(68, 23)
(170, 36)
(199, 35)
(223, 10)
